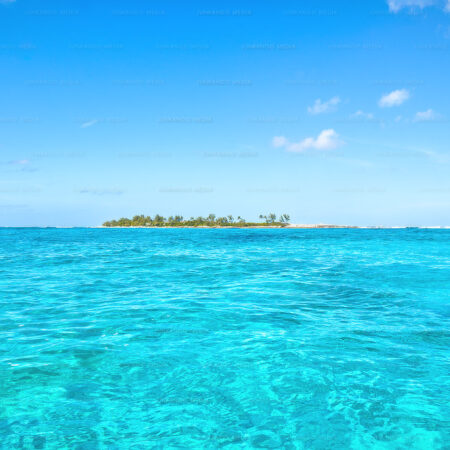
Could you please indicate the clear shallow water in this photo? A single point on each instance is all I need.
(315, 339)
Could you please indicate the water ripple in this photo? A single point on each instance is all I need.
(296, 339)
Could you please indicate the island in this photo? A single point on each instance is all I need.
(211, 221)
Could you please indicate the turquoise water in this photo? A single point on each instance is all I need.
(143, 338)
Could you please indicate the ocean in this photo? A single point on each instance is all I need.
(224, 338)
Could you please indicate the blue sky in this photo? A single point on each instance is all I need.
(333, 112)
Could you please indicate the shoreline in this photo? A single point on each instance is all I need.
(253, 227)
(291, 226)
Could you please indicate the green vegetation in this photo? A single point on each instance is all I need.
(210, 221)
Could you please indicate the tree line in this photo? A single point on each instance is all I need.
(211, 221)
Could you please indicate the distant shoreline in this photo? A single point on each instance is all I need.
(268, 221)
(264, 227)
(235, 227)
(291, 226)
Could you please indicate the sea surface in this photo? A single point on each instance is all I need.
(210, 338)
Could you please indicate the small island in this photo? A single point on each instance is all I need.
(269, 220)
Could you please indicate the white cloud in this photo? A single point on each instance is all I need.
(426, 116)
(326, 140)
(320, 107)
(279, 141)
(394, 98)
(396, 5)
(89, 124)
(362, 115)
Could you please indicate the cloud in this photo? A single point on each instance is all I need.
(395, 98)
(426, 116)
(279, 141)
(326, 140)
(320, 107)
(362, 115)
(89, 124)
(397, 5)
(5, 2)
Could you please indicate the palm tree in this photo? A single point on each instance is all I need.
(159, 220)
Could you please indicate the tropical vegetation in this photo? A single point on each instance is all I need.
(210, 221)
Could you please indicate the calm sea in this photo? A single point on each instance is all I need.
(295, 339)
